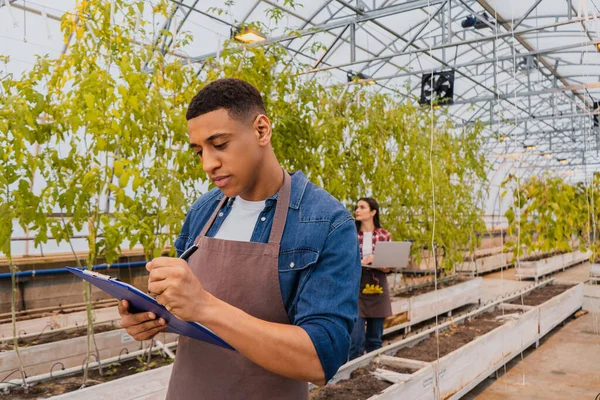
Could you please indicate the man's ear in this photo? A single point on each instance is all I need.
(262, 126)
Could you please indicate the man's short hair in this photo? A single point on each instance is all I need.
(241, 100)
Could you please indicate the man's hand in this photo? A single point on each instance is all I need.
(177, 288)
(141, 326)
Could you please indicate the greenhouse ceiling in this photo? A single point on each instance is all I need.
(527, 69)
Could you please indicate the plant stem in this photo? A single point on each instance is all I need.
(13, 300)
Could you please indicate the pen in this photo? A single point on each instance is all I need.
(188, 253)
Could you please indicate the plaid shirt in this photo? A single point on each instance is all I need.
(379, 235)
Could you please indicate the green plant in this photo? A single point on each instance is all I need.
(112, 127)
(112, 369)
(548, 214)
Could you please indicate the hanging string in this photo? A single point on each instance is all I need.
(436, 387)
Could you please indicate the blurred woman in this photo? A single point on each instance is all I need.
(374, 303)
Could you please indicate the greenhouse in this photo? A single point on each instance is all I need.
(300, 199)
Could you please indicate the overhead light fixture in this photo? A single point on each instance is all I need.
(247, 35)
(359, 77)
(503, 138)
(598, 46)
(547, 155)
(529, 147)
(563, 160)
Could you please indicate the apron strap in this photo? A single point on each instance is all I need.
(281, 210)
(283, 203)
(211, 219)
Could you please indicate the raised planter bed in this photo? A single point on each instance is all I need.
(57, 322)
(48, 357)
(485, 264)
(423, 303)
(484, 252)
(539, 268)
(555, 303)
(68, 383)
(471, 348)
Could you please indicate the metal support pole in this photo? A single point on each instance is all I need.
(353, 43)
(449, 21)
(529, 67)
(444, 41)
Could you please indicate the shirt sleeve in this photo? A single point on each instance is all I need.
(327, 306)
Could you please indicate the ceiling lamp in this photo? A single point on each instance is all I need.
(503, 138)
(359, 77)
(529, 147)
(548, 155)
(598, 46)
(247, 35)
(563, 160)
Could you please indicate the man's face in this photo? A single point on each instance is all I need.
(230, 150)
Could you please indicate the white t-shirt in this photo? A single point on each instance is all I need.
(367, 244)
(241, 221)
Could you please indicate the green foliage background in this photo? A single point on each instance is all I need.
(119, 108)
(549, 214)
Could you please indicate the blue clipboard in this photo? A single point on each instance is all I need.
(141, 302)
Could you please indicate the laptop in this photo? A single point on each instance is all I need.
(392, 255)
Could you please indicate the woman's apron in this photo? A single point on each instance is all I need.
(374, 298)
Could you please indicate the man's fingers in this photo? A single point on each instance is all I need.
(161, 262)
(134, 329)
(157, 287)
(149, 333)
(137, 319)
(123, 307)
(158, 274)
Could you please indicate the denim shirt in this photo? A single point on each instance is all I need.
(319, 262)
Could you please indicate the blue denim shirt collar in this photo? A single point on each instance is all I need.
(299, 182)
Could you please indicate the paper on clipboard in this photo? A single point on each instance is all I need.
(140, 302)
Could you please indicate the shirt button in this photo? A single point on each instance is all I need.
(292, 265)
(263, 219)
(220, 214)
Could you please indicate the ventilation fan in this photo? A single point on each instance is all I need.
(437, 88)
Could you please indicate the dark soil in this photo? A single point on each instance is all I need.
(360, 386)
(49, 337)
(477, 257)
(541, 295)
(71, 383)
(430, 287)
(24, 315)
(453, 338)
(537, 257)
(373, 366)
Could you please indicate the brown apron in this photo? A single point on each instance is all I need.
(374, 305)
(245, 275)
